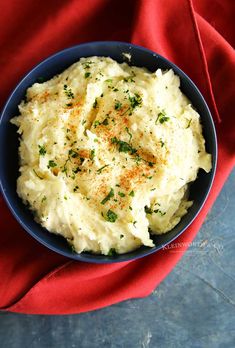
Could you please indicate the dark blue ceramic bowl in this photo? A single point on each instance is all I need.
(9, 143)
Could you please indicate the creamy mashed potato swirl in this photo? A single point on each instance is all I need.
(106, 154)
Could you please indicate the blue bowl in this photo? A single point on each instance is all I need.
(9, 143)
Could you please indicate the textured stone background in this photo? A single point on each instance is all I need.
(193, 307)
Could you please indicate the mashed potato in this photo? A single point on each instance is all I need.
(106, 154)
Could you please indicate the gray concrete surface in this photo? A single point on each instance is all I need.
(193, 307)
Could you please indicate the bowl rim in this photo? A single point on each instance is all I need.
(99, 258)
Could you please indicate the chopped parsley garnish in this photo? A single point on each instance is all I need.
(109, 80)
(44, 199)
(73, 153)
(121, 194)
(129, 79)
(51, 164)
(130, 207)
(69, 104)
(76, 170)
(123, 146)
(189, 122)
(134, 222)
(65, 198)
(86, 65)
(161, 117)
(42, 150)
(148, 210)
(160, 212)
(162, 143)
(96, 123)
(75, 188)
(112, 252)
(95, 103)
(121, 236)
(111, 216)
(92, 154)
(135, 101)
(128, 132)
(87, 74)
(115, 90)
(37, 174)
(108, 197)
(105, 122)
(117, 105)
(83, 122)
(100, 169)
(132, 193)
(68, 92)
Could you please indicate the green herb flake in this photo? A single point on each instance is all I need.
(121, 236)
(161, 117)
(75, 188)
(129, 79)
(100, 169)
(108, 197)
(105, 122)
(148, 210)
(95, 104)
(160, 212)
(69, 104)
(73, 153)
(129, 133)
(83, 122)
(111, 216)
(86, 65)
(42, 150)
(92, 154)
(123, 146)
(117, 105)
(162, 143)
(96, 123)
(68, 92)
(121, 194)
(37, 174)
(112, 252)
(189, 123)
(87, 74)
(51, 164)
(132, 193)
(44, 199)
(135, 101)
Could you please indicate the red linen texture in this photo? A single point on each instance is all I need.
(196, 35)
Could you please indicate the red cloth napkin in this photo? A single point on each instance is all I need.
(196, 35)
